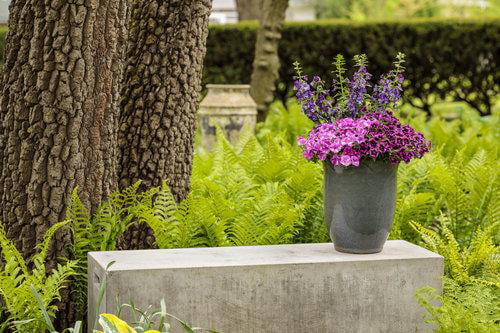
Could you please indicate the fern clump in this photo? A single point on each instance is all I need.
(476, 261)
(288, 121)
(464, 308)
(100, 231)
(267, 188)
(17, 281)
(261, 191)
(173, 225)
(464, 187)
(449, 202)
(254, 193)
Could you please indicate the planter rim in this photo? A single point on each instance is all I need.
(361, 164)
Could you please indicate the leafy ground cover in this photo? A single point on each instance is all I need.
(449, 202)
(261, 191)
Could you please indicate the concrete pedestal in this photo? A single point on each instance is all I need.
(284, 288)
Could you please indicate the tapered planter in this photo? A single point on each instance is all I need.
(359, 205)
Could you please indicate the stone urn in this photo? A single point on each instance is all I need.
(228, 106)
(359, 205)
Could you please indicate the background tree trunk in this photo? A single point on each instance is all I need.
(248, 9)
(160, 97)
(58, 114)
(266, 62)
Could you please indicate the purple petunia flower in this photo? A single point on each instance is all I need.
(377, 135)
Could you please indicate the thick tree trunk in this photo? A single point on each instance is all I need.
(160, 97)
(248, 9)
(58, 113)
(266, 62)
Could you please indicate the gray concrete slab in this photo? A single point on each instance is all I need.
(282, 288)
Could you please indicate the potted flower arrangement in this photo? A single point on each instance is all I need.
(361, 142)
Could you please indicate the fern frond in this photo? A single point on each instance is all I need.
(53, 284)
(39, 258)
(10, 253)
(189, 230)
(16, 282)
(469, 308)
(213, 228)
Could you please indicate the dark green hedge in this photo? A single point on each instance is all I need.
(454, 59)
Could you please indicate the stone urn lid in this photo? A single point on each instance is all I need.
(228, 96)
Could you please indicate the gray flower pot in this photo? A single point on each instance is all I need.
(359, 205)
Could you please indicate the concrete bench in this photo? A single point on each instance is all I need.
(282, 288)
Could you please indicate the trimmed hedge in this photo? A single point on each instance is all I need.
(452, 59)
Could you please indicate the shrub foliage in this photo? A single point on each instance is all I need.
(447, 58)
(454, 59)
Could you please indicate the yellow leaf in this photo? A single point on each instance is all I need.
(120, 325)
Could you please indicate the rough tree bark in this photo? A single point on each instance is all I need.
(248, 9)
(58, 113)
(266, 62)
(160, 97)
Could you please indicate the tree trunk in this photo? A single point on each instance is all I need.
(266, 62)
(160, 97)
(58, 113)
(248, 9)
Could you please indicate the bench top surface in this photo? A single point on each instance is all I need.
(251, 256)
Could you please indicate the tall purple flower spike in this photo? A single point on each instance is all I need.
(357, 90)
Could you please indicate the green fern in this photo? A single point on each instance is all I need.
(100, 231)
(258, 191)
(16, 281)
(462, 308)
(173, 224)
(475, 262)
(261, 191)
(464, 187)
(452, 197)
(287, 121)
(253, 193)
